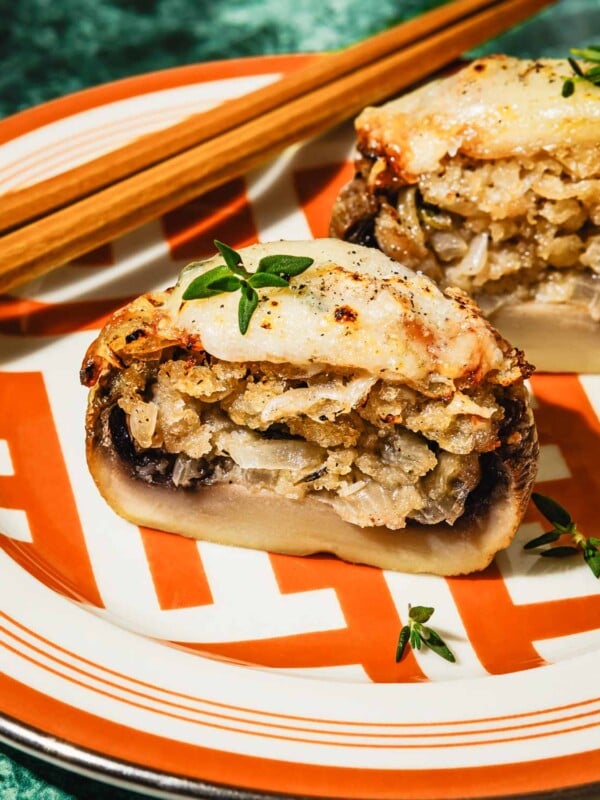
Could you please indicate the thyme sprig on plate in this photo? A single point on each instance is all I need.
(564, 525)
(275, 270)
(418, 634)
(591, 54)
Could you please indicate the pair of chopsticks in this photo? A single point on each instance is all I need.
(66, 216)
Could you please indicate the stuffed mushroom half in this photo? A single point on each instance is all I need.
(489, 180)
(363, 413)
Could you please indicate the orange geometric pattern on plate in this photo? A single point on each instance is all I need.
(40, 486)
(223, 214)
(564, 418)
(100, 257)
(370, 635)
(317, 189)
(23, 317)
(177, 570)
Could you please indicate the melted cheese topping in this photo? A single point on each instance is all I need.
(496, 107)
(353, 308)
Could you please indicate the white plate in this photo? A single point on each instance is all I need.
(190, 668)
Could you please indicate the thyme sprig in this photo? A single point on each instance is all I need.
(418, 634)
(591, 54)
(275, 270)
(564, 525)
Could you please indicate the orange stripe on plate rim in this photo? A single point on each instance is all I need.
(91, 141)
(58, 719)
(242, 709)
(53, 110)
(300, 739)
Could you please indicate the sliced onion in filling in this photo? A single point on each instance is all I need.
(250, 451)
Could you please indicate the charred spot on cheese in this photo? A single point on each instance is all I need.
(345, 314)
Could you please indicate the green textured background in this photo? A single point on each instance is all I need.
(52, 48)
(49, 49)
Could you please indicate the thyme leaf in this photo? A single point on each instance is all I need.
(402, 642)
(545, 538)
(230, 283)
(415, 639)
(552, 510)
(562, 551)
(203, 285)
(418, 634)
(564, 526)
(261, 279)
(232, 258)
(575, 67)
(275, 270)
(284, 266)
(421, 613)
(591, 54)
(247, 306)
(592, 559)
(435, 642)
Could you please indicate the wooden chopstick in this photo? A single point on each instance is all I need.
(33, 201)
(71, 231)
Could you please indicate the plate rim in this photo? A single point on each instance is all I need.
(58, 108)
(120, 773)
